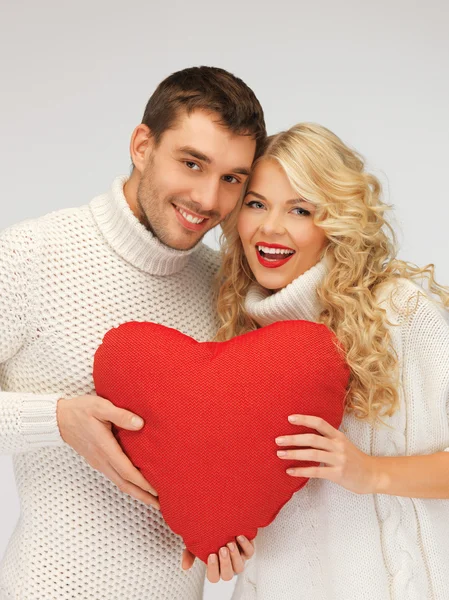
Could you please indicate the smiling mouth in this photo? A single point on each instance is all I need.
(189, 216)
(274, 253)
(273, 257)
(190, 220)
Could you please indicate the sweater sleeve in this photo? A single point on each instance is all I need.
(425, 339)
(27, 420)
(245, 587)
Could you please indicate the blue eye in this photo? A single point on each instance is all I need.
(254, 204)
(301, 211)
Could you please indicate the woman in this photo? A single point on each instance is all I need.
(310, 241)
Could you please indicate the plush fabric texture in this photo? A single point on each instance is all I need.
(212, 411)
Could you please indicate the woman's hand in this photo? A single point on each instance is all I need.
(343, 462)
(230, 560)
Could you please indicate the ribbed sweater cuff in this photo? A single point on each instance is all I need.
(38, 420)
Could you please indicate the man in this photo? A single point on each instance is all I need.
(89, 526)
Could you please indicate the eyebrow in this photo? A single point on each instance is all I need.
(195, 153)
(200, 156)
(289, 202)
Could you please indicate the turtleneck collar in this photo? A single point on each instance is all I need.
(298, 300)
(130, 239)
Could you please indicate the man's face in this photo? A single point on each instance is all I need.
(193, 179)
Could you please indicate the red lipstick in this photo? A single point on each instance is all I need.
(274, 246)
(272, 263)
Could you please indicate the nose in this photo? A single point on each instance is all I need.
(206, 194)
(272, 224)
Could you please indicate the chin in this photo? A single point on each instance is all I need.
(272, 283)
(183, 244)
(180, 245)
(176, 241)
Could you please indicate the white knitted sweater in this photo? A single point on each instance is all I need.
(330, 544)
(65, 280)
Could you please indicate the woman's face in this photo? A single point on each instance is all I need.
(279, 237)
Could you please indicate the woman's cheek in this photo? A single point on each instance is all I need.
(244, 226)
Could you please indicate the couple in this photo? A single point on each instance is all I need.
(305, 237)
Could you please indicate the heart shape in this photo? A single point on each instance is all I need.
(212, 411)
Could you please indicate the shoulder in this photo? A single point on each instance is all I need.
(422, 321)
(65, 218)
(30, 228)
(403, 299)
(30, 239)
(18, 240)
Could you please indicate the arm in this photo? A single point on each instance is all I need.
(245, 587)
(425, 374)
(27, 420)
(424, 476)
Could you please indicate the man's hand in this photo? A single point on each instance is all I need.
(85, 424)
(230, 560)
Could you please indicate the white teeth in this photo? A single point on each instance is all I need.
(274, 250)
(189, 218)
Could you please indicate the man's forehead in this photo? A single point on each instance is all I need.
(207, 123)
(201, 135)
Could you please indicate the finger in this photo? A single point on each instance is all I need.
(246, 547)
(311, 472)
(226, 570)
(237, 560)
(316, 423)
(106, 411)
(328, 458)
(213, 572)
(121, 463)
(306, 439)
(187, 559)
(129, 488)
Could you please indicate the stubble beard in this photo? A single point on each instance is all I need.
(148, 196)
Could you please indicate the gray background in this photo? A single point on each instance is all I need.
(77, 75)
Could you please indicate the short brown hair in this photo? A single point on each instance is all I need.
(211, 89)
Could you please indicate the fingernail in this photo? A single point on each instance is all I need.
(292, 419)
(279, 440)
(184, 565)
(281, 453)
(212, 559)
(231, 546)
(290, 471)
(137, 422)
(242, 539)
(223, 552)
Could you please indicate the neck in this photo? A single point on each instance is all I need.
(130, 238)
(298, 300)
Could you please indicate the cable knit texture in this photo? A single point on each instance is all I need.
(328, 543)
(65, 280)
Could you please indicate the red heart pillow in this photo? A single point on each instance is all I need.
(212, 411)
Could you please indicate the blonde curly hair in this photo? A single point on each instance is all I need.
(362, 247)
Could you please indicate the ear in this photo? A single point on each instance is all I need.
(140, 146)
